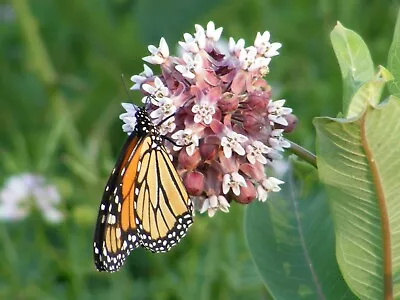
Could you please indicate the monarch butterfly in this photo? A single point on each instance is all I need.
(144, 203)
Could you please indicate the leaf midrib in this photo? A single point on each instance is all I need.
(384, 217)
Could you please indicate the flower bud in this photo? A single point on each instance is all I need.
(258, 101)
(256, 171)
(292, 123)
(228, 103)
(208, 151)
(253, 122)
(194, 183)
(247, 193)
(213, 181)
(189, 162)
(261, 85)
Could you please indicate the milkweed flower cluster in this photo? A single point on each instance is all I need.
(217, 110)
(21, 193)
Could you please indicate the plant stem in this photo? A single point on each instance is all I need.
(38, 55)
(303, 153)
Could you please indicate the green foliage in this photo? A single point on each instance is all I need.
(291, 239)
(60, 97)
(394, 60)
(363, 181)
(358, 162)
(355, 62)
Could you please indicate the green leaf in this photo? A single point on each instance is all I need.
(394, 59)
(291, 240)
(354, 59)
(358, 160)
(51, 144)
(369, 93)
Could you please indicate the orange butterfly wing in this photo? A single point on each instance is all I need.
(144, 203)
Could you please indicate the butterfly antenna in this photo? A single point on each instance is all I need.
(125, 87)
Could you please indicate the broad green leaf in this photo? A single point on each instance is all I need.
(354, 59)
(369, 93)
(291, 239)
(358, 160)
(394, 60)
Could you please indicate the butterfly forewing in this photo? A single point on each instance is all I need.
(144, 202)
(115, 234)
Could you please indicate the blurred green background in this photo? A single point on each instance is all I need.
(60, 86)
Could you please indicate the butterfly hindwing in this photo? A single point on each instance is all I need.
(163, 205)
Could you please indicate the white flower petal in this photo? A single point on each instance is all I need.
(239, 149)
(207, 119)
(236, 190)
(262, 194)
(225, 183)
(164, 48)
(198, 118)
(239, 179)
(227, 152)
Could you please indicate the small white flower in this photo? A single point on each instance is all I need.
(270, 184)
(142, 77)
(273, 50)
(247, 57)
(262, 194)
(47, 197)
(235, 48)
(157, 91)
(200, 36)
(210, 34)
(264, 47)
(203, 113)
(165, 108)
(190, 43)
(24, 191)
(186, 138)
(53, 215)
(129, 118)
(233, 181)
(256, 151)
(277, 141)
(192, 65)
(213, 204)
(168, 126)
(158, 55)
(10, 212)
(277, 112)
(232, 142)
(260, 63)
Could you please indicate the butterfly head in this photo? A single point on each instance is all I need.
(144, 124)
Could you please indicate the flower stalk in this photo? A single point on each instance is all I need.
(303, 153)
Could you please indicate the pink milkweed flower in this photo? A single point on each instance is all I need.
(214, 108)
